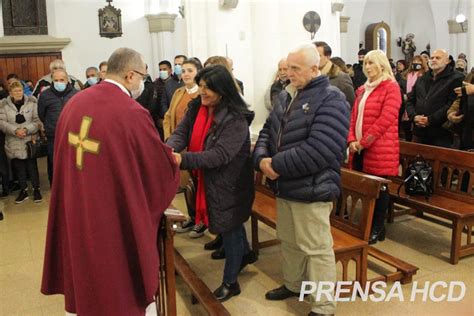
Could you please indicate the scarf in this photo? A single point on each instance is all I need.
(368, 88)
(411, 80)
(201, 127)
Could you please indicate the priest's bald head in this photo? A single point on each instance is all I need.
(127, 67)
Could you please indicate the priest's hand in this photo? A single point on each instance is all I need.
(177, 158)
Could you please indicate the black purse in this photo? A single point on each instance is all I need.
(37, 147)
(418, 178)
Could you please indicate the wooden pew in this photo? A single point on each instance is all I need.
(200, 292)
(350, 223)
(166, 304)
(453, 198)
(198, 288)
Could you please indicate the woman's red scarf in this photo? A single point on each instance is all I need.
(201, 127)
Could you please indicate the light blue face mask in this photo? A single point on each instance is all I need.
(164, 74)
(178, 70)
(60, 86)
(92, 80)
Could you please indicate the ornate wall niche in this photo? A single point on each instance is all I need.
(24, 17)
(378, 36)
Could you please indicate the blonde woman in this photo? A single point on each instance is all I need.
(373, 134)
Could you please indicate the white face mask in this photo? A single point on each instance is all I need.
(138, 92)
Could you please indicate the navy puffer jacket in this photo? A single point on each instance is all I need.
(306, 138)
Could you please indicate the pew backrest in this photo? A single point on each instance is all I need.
(453, 170)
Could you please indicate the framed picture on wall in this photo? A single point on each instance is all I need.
(110, 21)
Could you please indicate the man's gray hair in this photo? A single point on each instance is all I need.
(92, 68)
(57, 64)
(311, 55)
(123, 60)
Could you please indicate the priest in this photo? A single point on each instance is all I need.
(113, 180)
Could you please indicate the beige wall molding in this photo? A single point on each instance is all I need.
(344, 21)
(455, 27)
(32, 44)
(162, 22)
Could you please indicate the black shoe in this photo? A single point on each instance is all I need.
(214, 244)
(197, 231)
(377, 235)
(279, 294)
(37, 196)
(186, 226)
(318, 314)
(1, 216)
(23, 196)
(4, 193)
(218, 254)
(226, 291)
(247, 259)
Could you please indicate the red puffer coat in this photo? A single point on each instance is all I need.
(379, 129)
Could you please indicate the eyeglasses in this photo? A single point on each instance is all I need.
(144, 76)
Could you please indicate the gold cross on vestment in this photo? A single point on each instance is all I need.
(82, 143)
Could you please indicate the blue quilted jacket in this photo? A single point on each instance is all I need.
(306, 137)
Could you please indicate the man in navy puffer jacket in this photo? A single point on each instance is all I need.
(300, 149)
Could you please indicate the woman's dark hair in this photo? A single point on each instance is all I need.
(194, 61)
(219, 80)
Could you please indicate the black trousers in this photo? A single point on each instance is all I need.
(50, 159)
(382, 203)
(25, 168)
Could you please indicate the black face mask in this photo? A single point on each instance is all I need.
(20, 118)
(416, 66)
(361, 62)
(460, 69)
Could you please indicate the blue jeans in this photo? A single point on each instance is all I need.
(236, 246)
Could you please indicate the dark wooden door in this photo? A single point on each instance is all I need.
(27, 66)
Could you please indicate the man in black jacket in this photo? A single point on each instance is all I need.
(172, 84)
(300, 149)
(430, 100)
(50, 104)
(359, 76)
(149, 98)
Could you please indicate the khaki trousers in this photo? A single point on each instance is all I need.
(306, 245)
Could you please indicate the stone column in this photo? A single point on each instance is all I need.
(336, 8)
(160, 26)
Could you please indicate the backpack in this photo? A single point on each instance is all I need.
(418, 178)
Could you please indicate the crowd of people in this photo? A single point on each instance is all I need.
(321, 111)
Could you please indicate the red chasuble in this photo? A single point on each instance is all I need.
(113, 179)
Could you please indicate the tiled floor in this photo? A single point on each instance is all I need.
(422, 243)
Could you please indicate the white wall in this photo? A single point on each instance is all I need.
(274, 40)
(257, 34)
(78, 20)
(427, 19)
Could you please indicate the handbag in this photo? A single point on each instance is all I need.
(418, 178)
(37, 147)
